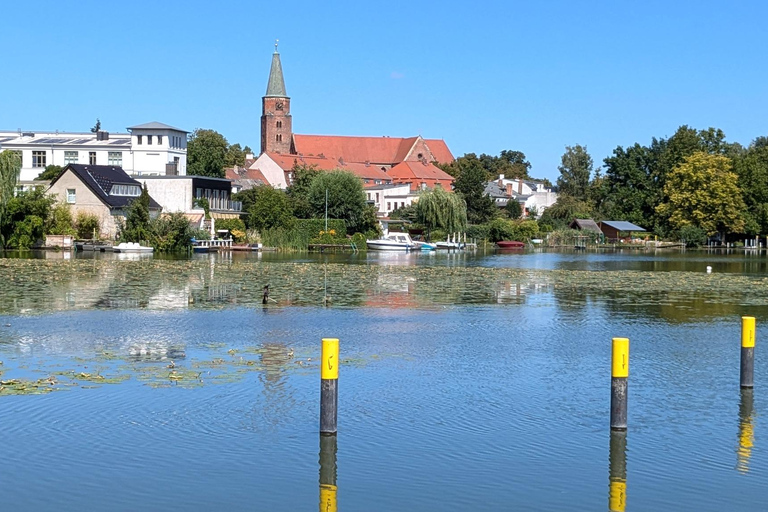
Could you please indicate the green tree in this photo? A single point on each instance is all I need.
(170, 232)
(628, 191)
(514, 209)
(136, 228)
(51, 172)
(10, 167)
(60, 221)
(702, 191)
(470, 183)
(752, 169)
(575, 169)
(24, 218)
(567, 208)
(270, 209)
(235, 155)
(346, 200)
(206, 153)
(97, 126)
(440, 209)
(298, 192)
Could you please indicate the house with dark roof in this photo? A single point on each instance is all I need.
(101, 190)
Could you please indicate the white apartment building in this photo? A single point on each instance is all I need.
(152, 149)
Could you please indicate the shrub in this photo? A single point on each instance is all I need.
(692, 236)
(359, 240)
(479, 231)
(236, 228)
(87, 225)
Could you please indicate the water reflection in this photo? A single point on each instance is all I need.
(746, 431)
(617, 471)
(278, 393)
(328, 468)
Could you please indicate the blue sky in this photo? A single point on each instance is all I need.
(485, 76)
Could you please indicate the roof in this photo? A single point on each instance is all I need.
(375, 150)
(240, 174)
(154, 125)
(419, 170)
(584, 225)
(276, 84)
(100, 178)
(117, 141)
(365, 171)
(621, 225)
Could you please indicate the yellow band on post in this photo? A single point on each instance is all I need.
(327, 498)
(618, 496)
(747, 331)
(330, 359)
(620, 357)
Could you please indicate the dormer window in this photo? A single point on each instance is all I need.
(125, 190)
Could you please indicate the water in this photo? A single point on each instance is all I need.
(469, 382)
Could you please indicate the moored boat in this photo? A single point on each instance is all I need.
(510, 244)
(131, 247)
(392, 242)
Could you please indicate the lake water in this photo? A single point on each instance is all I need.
(469, 382)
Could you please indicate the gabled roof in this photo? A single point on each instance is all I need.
(621, 225)
(154, 125)
(100, 178)
(584, 225)
(420, 171)
(375, 150)
(365, 171)
(239, 174)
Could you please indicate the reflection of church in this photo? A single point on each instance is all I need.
(376, 160)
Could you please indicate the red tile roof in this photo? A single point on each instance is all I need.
(371, 172)
(241, 173)
(379, 150)
(416, 173)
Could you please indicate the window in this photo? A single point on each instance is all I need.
(279, 124)
(377, 197)
(71, 196)
(159, 139)
(38, 159)
(70, 157)
(149, 140)
(125, 190)
(116, 158)
(389, 206)
(138, 138)
(92, 157)
(279, 137)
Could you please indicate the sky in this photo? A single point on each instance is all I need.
(532, 76)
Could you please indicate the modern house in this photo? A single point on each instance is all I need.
(147, 149)
(101, 190)
(532, 196)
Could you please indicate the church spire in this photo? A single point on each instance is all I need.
(276, 84)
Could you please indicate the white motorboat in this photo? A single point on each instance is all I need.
(134, 247)
(391, 242)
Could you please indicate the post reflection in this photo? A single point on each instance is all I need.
(746, 431)
(617, 472)
(327, 473)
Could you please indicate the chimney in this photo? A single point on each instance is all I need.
(520, 186)
(249, 156)
(501, 181)
(509, 190)
(100, 135)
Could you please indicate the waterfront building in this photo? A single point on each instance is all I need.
(146, 149)
(533, 196)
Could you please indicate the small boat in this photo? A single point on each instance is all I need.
(127, 247)
(392, 242)
(423, 246)
(510, 244)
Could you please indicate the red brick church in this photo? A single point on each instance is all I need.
(376, 160)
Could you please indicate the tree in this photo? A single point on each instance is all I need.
(440, 209)
(514, 209)
(25, 217)
(235, 156)
(512, 164)
(346, 200)
(470, 183)
(752, 169)
(136, 228)
(97, 126)
(206, 153)
(575, 170)
(51, 172)
(298, 192)
(270, 208)
(10, 167)
(60, 221)
(628, 191)
(702, 191)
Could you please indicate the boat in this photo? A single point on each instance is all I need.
(510, 244)
(392, 242)
(423, 246)
(134, 247)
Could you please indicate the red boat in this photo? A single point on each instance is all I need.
(510, 244)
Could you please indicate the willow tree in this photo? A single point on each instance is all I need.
(440, 209)
(10, 167)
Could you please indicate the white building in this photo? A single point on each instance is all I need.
(388, 198)
(532, 196)
(148, 149)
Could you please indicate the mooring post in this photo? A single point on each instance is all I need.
(617, 471)
(619, 377)
(329, 385)
(746, 430)
(747, 351)
(328, 474)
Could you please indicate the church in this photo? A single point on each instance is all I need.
(400, 165)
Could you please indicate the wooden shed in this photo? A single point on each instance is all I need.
(613, 229)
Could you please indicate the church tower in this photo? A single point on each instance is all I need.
(276, 129)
